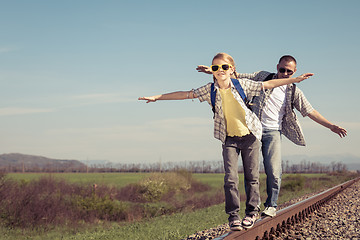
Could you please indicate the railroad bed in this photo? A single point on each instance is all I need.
(338, 218)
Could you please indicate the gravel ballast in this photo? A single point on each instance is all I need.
(338, 219)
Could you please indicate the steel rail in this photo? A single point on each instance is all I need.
(286, 217)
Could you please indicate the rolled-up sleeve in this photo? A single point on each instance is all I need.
(256, 76)
(203, 93)
(251, 88)
(301, 103)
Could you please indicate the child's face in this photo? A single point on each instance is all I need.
(221, 74)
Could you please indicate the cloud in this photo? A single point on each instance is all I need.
(182, 122)
(96, 98)
(310, 124)
(7, 49)
(188, 125)
(147, 134)
(350, 125)
(172, 139)
(22, 111)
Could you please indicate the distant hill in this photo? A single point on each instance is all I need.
(18, 161)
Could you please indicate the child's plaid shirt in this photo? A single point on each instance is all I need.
(251, 89)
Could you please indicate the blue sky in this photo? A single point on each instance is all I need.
(71, 73)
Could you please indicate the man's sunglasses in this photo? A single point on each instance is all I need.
(282, 70)
(225, 67)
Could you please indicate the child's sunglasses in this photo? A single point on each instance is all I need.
(225, 67)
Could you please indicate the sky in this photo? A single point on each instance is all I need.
(71, 73)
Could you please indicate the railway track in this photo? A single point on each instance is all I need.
(266, 227)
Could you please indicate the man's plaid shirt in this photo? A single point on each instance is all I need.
(251, 89)
(290, 124)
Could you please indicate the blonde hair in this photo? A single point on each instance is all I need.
(227, 58)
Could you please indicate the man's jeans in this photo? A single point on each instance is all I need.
(249, 147)
(271, 152)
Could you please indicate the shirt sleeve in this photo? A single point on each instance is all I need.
(301, 103)
(256, 76)
(251, 88)
(203, 93)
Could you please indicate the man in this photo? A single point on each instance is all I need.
(274, 107)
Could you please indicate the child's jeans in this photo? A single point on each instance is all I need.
(249, 147)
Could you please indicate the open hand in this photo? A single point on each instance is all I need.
(304, 76)
(148, 99)
(338, 130)
(204, 69)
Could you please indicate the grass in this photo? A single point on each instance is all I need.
(49, 201)
(175, 226)
(109, 179)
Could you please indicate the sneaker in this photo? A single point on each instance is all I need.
(235, 225)
(249, 220)
(269, 211)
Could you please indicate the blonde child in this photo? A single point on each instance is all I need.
(239, 130)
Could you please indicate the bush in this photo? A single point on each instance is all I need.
(50, 202)
(157, 209)
(293, 183)
(103, 208)
(153, 189)
(32, 203)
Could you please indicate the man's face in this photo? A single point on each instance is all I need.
(286, 69)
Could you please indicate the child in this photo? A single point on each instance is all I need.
(239, 130)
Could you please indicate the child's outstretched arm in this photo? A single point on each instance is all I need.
(204, 69)
(284, 81)
(180, 95)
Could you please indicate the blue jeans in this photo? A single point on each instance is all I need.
(249, 148)
(271, 152)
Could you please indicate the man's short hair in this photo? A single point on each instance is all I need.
(288, 58)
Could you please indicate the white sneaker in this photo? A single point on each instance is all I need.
(235, 225)
(269, 211)
(249, 220)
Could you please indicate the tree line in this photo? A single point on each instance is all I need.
(191, 166)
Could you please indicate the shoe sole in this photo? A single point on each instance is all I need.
(236, 228)
(247, 227)
(267, 215)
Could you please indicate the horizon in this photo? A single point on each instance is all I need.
(351, 162)
(295, 159)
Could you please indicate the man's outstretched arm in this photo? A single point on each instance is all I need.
(317, 117)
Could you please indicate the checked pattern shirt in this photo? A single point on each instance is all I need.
(251, 89)
(290, 124)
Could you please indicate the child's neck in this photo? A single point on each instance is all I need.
(224, 84)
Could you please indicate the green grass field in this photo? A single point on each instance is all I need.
(175, 226)
(111, 179)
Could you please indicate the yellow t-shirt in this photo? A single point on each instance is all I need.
(234, 114)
